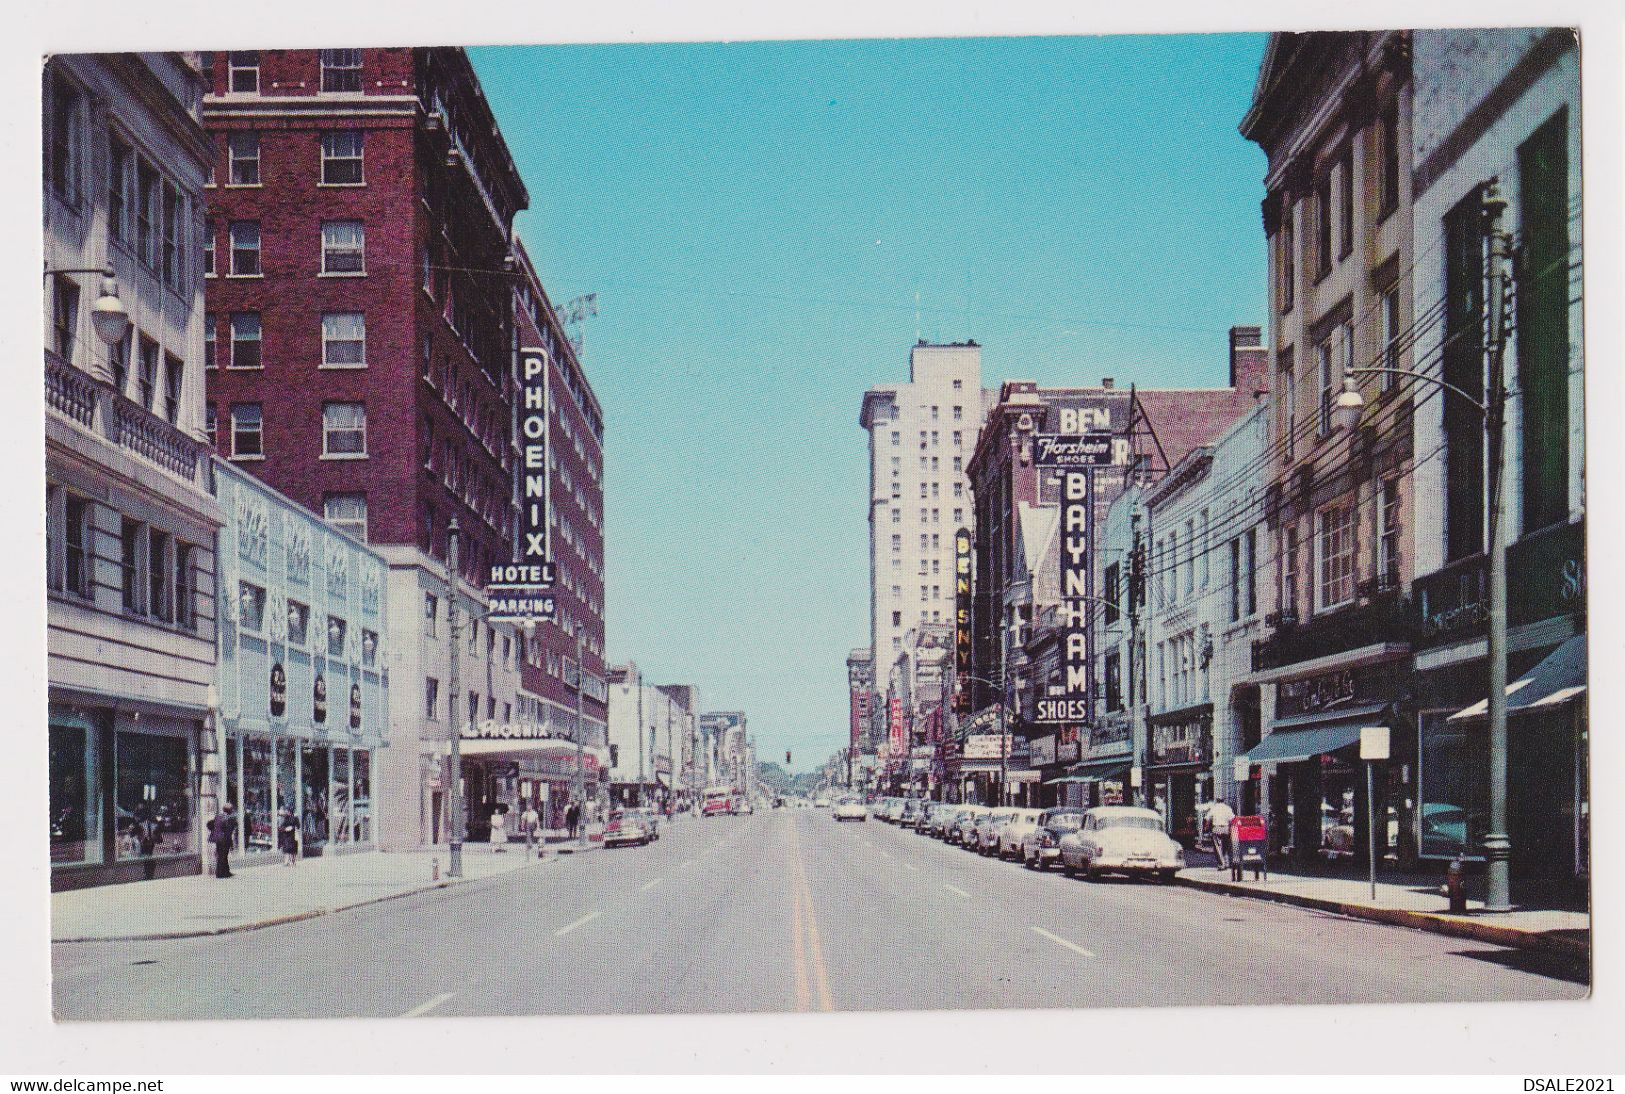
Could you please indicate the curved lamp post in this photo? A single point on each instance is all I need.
(1347, 412)
(107, 315)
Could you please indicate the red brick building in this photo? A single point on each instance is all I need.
(364, 284)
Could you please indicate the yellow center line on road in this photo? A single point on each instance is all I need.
(804, 931)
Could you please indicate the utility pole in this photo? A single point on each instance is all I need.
(455, 835)
(1136, 686)
(639, 686)
(581, 780)
(1497, 843)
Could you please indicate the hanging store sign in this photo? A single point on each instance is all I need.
(985, 746)
(520, 586)
(899, 731)
(962, 601)
(1068, 701)
(1065, 450)
(279, 690)
(1041, 752)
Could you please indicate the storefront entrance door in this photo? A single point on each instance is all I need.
(313, 758)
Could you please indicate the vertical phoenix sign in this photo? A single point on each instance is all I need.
(521, 590)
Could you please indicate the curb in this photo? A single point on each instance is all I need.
(292, 917)
(1453, 926)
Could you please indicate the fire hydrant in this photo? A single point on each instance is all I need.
(1455, 887)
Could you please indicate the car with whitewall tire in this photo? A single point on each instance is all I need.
(1042, 846)
(851, 809)
(1121, 839)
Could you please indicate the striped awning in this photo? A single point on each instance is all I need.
(1557, 679)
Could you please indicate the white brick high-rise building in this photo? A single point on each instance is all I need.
(921, 436)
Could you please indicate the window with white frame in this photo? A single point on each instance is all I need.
(208, 248)
(344, 247)
(1289, 569)
(67, 166)
(146, 380)
(347, 512)
(174, 377)
(341, 158)
(245, 248)
(1326, 362)
(245, 341)
(120, 177)
(1334, 556)
(242, 158)
(344, 429)
(1289, 406)
(1390, 337)
(341, 70)
(243, 71)
(344, 340)
(247, 430)
(1388, 542)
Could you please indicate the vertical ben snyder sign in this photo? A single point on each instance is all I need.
(520, 590)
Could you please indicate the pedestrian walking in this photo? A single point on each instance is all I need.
(499, 828)
(530, 823)
(147, 831)
(572, 818)
(222, 833)
(287, 836)
(1219, 816)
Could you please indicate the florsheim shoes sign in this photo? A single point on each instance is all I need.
(521, 591)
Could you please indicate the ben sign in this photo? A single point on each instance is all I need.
(520, 586)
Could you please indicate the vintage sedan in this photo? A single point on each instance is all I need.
(962, 829)
(987, 829)
(1121, 839)
(1042, 845)
(851, 808)
(1010, 835)
(627, 826)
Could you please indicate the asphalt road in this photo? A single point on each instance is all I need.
(782, 911)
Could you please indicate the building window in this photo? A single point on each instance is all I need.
(344, 429)
(118, 362)
(344, 340)
(76, 543)
(1390, 337)
(1250, 571)
(897, 516)
(247, 430)
(185, 586)
(65, 317)
(131, 542)
(896, 438)
(1114, 681)
(1545, 281)
(1289, 406)
(242, 159)
(160, 594)
(1289, 570)
(1112, 594)
(347, 513)
(174, 376)
(243, 71)
(1323, 225)
(1388, 152)
(959, 413)
(174, 233)
(298, 623)
(369, 649)
(341, 158)
(431, 698)
(211, 422)
(146, 380)
(210, 333)
(1345, 211)
(245, 340)
(1235, 580)
(245, 248)
(1195, 551)
(431, 614)
(1464, 367)
(959, 439)
(65, 162)
(147, 213)
(208, 248)
(1326, 356)
(119, 163)
(336, 630)
(1388, 535)
(341, 70)
(896, 543)
(343, 247)
(1335, 551)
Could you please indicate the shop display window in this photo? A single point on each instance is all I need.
(287, 775)
(1455, 788)
(153, 784)
(361, 795)
(75, 802)
(259, 818)
(314, 824)
(339, 794)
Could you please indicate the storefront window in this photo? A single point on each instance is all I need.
(340, 794)
(313, 761)
(287, 775)
(1455, 787)
(153, 780)
(259, 818)
(75, 800)
(361, 796)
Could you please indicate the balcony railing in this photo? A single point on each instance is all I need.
(154, 439)
(70, 392)
(93, 404)
(1385, 618)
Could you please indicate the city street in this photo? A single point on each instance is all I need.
(786, 911)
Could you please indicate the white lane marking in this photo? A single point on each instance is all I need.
(954, 889)
(686, 863)
(1074, 947)
(583, 921)
(651, 884)
(910, 866)
(425, 1007)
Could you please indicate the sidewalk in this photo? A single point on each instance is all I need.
(260, 896)
(1416, 902)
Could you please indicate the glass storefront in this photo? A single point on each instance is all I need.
(287, 775)
(313, 766)
(1455, 787)
(330, 787)
(259, 818)
(361, 795)
(339, 807)
(75, 799)
(152, 781)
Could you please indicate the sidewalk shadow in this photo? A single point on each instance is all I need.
(1557, 966)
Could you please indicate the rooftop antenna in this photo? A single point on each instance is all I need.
(917, 337)
(576, 313)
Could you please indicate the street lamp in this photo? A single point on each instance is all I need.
(107, 315)
(454, 838)
(1347, 411)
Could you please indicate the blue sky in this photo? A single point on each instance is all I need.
(757, 220)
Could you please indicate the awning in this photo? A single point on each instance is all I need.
(1370, 713)
(1292, 745)
(1091, 770)
(1557, 679)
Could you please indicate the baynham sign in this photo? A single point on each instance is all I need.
(1068, 701)
(519, 590)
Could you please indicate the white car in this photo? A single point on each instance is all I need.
(1014, 831)
(851, 809)
(1121, 839)
(820, 802)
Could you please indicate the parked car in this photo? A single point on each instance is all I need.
(941, 816)
(821, 802)
(910, 812)
(930, 822)
(626, 826)
(1013, 831)
(962, 829)
(1121, 839)
(894, 810)
(987, 829)
(650, 818)
(851, 809)
(1042, 845)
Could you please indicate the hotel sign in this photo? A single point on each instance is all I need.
(962, 602)
(518, 589)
